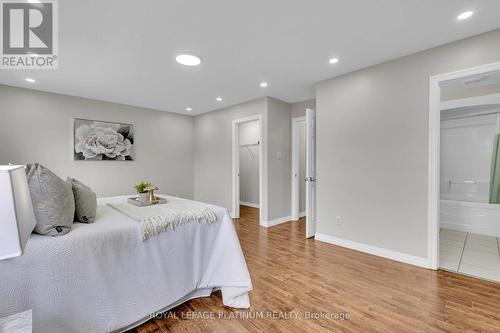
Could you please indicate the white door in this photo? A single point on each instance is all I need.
(310, 173)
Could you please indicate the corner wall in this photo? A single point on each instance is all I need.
(213, 156)
(279, 159)
(372, 148)
(299, 109)
(213, 152)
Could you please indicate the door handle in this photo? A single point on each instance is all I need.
(312, 179)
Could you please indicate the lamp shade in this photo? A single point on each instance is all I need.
(17, 218)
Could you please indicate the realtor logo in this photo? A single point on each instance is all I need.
(29, 36)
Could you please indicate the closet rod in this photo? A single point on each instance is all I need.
(250, 144)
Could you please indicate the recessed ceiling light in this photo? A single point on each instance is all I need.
(333, 60)
(263, 84)
(465, 15)
(189, 109)
(188, 59)
(30, 80)
(219, 99)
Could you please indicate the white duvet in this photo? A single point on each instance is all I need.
(102, 277)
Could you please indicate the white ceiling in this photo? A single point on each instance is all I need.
(123, 51)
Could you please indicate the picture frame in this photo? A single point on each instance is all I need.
(97, 140)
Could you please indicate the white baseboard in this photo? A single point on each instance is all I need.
(296, 218)
(249, 204)
(475, 229)
(272, 223)
(389, 254)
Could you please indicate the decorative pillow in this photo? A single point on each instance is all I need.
(52, 199)
(85, 202)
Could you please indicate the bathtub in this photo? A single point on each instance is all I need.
(464, 206)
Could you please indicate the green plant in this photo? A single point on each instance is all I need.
(141, 187)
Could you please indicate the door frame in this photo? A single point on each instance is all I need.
(235, 213)
(434, 152)
(295, 213)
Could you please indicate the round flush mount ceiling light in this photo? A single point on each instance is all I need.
(465, 15)
(188, 59)
(333, 60)
(189, 109)
(219, 99)
(263, 84)
(30, 80)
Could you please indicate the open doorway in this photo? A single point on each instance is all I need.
(247, 167)
(465, 172)
(304, 171)
(298, 168)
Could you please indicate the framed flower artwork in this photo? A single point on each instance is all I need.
(103, 141)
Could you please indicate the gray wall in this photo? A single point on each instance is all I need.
(213, 144)
(372, 145)
(279, 159)
(249, 162)
(299, 109)
(213, 152)
(38, 127)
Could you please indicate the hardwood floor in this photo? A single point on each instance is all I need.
(299, 276)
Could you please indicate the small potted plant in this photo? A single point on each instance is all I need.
(143, 193)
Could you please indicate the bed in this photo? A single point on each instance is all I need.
(102, 277)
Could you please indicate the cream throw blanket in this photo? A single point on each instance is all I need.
(160, 218)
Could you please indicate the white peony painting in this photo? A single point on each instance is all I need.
(103, 141)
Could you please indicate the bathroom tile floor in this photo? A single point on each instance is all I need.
(471, 254)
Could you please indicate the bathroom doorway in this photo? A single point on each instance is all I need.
(467, 201)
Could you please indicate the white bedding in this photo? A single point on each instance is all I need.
(102, 277)
(155, 219)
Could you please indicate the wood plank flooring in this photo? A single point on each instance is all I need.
(299, 276)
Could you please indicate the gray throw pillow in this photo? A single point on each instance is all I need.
(85, 202)
(52, 199)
